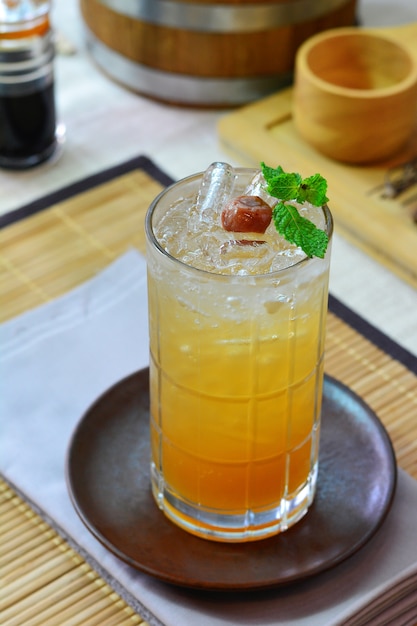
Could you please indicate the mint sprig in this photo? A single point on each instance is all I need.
(299, 230)
(291, 187)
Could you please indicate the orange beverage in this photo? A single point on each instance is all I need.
(236, 370)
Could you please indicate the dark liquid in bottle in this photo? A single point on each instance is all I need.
(27, 128)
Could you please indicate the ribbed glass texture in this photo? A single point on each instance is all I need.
(236, 371)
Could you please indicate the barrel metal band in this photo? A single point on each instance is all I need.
(223, 18)
(181, 88)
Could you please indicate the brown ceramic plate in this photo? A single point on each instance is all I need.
(108, 479)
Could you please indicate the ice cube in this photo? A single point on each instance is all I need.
(244, 256)
(257, 187)
(215, 190)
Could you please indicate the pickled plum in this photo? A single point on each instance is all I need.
(246, 214)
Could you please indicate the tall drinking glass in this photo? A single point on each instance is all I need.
(236, 373)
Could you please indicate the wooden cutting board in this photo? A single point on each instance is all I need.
(383, 227)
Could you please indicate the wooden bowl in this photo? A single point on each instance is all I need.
(355, 95)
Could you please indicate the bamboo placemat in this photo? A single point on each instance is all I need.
(81, 229)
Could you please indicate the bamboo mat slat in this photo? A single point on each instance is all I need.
(45, 582)
(59, 588)
(52, 251)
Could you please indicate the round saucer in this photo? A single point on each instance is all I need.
(109, 484)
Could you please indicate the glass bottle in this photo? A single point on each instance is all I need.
(27, 102)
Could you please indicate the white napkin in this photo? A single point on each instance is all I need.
(56, 360)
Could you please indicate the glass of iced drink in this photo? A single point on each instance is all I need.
(237, 327)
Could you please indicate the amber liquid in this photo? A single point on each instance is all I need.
(27, 127)
(229, 446)
(235, 408)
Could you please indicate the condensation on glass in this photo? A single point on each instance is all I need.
(236, 372)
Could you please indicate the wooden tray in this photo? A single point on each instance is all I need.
(383, 227)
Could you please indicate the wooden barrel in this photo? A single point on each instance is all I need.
(207, 53)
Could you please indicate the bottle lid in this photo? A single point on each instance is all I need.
(24, 18)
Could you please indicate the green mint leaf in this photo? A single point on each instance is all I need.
(299, 230)
(270, 172)
(281, 185)
(285, 186)
(288, 222)
(313, 189)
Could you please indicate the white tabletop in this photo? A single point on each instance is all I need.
(107, 124)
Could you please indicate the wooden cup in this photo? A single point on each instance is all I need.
(355, 95)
